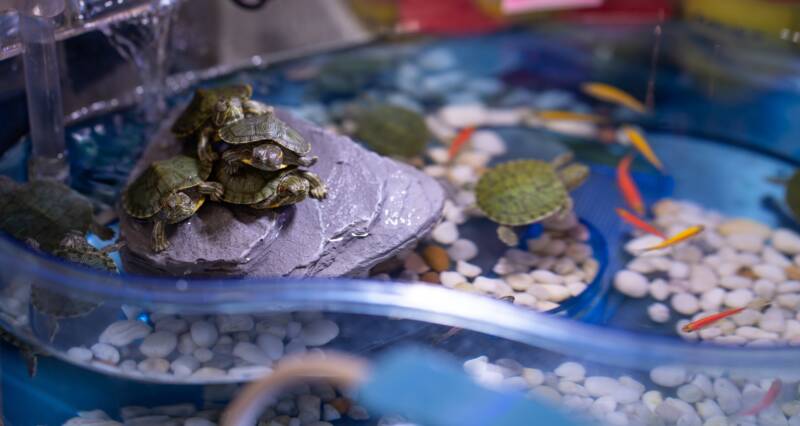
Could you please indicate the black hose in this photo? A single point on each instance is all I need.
(250, 4)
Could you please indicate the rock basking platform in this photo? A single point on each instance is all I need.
(376, 207)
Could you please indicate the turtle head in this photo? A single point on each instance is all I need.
(292, 189)
(179, 206)
(268, 157)
(227, 111)
(74, 240)
(574, 175)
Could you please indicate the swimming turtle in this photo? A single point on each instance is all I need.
(74, 248)
(264, 142)
(391, 130)
(45, 211)
(29, 353)
(212, 109)
(168, 192)
(522, 192)
(271, 190)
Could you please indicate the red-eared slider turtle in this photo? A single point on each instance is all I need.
(169, 192)
(56, 305)
(29, 353)
(45, 211)
(266, 143)
(391, 130)
(262, 190)
(522, 192)
(211, 109)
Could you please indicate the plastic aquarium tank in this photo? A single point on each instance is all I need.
(575, 316)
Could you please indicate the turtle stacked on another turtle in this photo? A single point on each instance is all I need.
(259, 165)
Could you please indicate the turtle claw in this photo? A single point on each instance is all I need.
(318, 192)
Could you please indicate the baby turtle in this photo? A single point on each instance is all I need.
(212, 109)
(74, 248)
(270, 190)
(391, 130)
(45, 211)
(29, 353)
(169, 192)
(284, 147)
(527, 191)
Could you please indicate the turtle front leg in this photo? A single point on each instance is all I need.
(318, 190)
(205, 152)
(214, 190)
(233, 159)
(307, 161)
(160, 242)
(252, 107)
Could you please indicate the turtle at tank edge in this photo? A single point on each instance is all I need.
(56, 305)
(168, 192)
(264, 142)
(212, 109)
(28, 352)
(45, 211)
(522, 192)
(391, 130)
(269, 190)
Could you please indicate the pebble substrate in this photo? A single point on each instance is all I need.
(732, 263)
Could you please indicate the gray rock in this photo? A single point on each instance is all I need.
(376, 207)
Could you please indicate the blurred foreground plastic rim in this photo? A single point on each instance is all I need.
(397, 300)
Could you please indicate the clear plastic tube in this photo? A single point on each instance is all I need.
(43, 90)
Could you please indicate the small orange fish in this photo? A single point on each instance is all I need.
(628, 187)
(607, 93)
(557, 115)
(770, 397)
(640, 143)
(711, 319)
(677, 238)
(461, 138)
(639, 223)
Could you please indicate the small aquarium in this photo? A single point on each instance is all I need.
(400, 212)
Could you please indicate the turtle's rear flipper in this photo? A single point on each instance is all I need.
(103, 232)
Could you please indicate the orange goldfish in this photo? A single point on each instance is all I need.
(711, 319)
(639, 223)
(770, 397)
(677, 238)
(461, 138)
(607, 93)
(640, 143)
(557, 115)
(628, 187)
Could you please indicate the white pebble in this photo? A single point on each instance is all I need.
(685, 303)
(786, 241)
(439, 154)
(184, 365)
(80, 354)
(729, 397)
(154, 365)
(105, 353)
(357, 412)
(203, 354)
(631, 283)
(486, 285)
(463, 115)
(489, 142)
(576, 289)
(415, 263)
(738, 298)
(600, 386)
(770, 272)
(712, 299)
(746, 242)
(545, 277)
(251, 353)
(571, 371)
(159, 344)
(702, 278)
(668, 376)
(678, 270)
(659, 290)
(658, 312)
(652, 399)
(450, 279)
(234, 323)
(172, 324)
(534, 377)
(462, 250)
(467, 269)
(690, 393)
(445, 233)
(204, 334)
(271, 345)
(122, 333)
(319, 332)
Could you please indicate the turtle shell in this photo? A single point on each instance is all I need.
(59, 305)
(521, 192)
(265, 127)
(202, 105)
(392, 130)
(142, 199)
(248, 186)
(44, 211)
